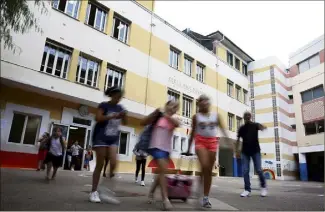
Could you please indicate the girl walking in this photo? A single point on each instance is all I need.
(88, 157)
(141, 160)
(160, 146)
(54, 157)
(106, 136)
(42, 151)
(204, 132)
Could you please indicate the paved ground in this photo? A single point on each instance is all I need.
(28, 190)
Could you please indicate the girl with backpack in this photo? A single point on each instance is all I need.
(204, 132)
(54, 157)
(160, 145)
(42, 151)
(141, 161)
(109, 117)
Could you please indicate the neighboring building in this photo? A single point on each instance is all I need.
(307, 80)
(60, 76)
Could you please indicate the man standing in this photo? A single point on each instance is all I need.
(250, 149)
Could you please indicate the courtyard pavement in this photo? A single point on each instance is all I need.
(28, 190)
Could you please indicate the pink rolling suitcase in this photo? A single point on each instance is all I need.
(179, 186)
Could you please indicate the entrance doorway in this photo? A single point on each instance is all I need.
(78, 134)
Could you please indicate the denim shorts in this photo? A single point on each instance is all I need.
(158, 153)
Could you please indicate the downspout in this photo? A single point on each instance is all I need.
(149, 64)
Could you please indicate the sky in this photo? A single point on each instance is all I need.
(260, 28)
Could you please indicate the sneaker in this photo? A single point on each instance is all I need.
(245, 194)
(136, 180)
(72, 170)
(167, 205)
(206, 203)
(142, 183)
(263, 192)
(94, 197)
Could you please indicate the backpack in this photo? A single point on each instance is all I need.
(145, 136)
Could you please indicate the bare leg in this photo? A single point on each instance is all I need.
(162, 165)
(100, 157)
(112, 160)
(206, 159)
(55, 169)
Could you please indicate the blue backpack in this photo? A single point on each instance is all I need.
(145, 136)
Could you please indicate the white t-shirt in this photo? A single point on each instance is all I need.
(75, 149)
(56, 148)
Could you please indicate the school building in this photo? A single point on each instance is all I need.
(59, 76)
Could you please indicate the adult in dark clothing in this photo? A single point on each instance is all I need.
(141, 160)
(250, 149)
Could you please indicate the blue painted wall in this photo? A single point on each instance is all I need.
(303, 171)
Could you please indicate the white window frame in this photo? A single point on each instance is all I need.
(188, 66)
(230, 122)
(187, 106)
(228, 52)
(200, 72)
(87, 69)
(307, 61)
(125, 38)
(175, 94)
(239, 122)
(6, 127)
(57, 51)
(115, 73)
(238, 69)
(238, 93)
(103, 17)
(183, 144)
(175, 143)
(230, 88)
(243, 69)
(174, 58)
(245, 96)
(74, 2)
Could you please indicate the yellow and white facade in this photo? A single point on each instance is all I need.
(60, 75)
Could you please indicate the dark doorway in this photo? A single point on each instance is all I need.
(225, 162)
(75, 134)
(315, 166)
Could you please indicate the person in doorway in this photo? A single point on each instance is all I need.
(250, 149)
(88, 157)
(141, 160)
(160, 146)
(204, 132)
(75, 150)
(54, 157)
(42, 151)
(110, 115)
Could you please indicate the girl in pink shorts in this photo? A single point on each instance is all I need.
(204, 132)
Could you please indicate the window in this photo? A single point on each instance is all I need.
(230, 121)
(87, 71)
(314, 127)
(24, 129)
(230, 88)
(96, 17)
(309, 63)
(188, 66)
(230, 59)
(69, 7)
(312, 94)
(175, 139)
(120, 30)
(123, 143)
(183, 144)
(173, 58)
(245, 96)
(56, 59)
(238, 93)
(172, 95)
(244, 69)
(237, 63)
(238, 122)
(200, 73)
(290, 97)
(114, 77)
(187, 106)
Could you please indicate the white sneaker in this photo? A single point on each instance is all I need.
(72, 170)
(245, 194)
(142, 183)
(263, 192)
(136, 180)
(94, 197)
(167, 205)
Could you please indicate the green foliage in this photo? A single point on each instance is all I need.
(16, 16)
